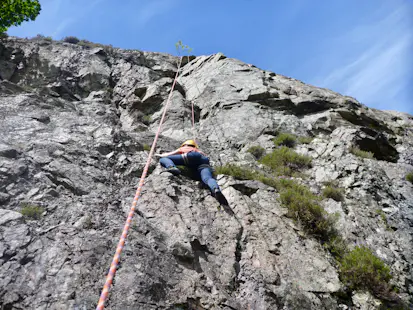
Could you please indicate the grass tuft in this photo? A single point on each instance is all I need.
(290, 140)
(384, 219)
(363, 154)
(71, 40)
(409, 177)
(284, 161)
(337, 246)
(146, 119)
(244, 173)
(237, 172)
(32, 211)
(257, 151)
(333, 193)
(285, 139)
(305, 140)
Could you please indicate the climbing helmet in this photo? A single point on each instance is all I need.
(190, 143)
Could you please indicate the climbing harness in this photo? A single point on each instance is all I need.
(115, 261)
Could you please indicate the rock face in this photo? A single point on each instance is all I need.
(74, 124)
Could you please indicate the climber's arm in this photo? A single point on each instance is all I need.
(168, 154)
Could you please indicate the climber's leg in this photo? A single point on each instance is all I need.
(207, 177)
(170, 163)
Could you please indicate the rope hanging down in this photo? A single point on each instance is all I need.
(115, 261)
(193, 121)
(182, 48)
(193, 115)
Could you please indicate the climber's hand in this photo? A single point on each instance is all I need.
(158, 155)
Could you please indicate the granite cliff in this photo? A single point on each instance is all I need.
(76, 122)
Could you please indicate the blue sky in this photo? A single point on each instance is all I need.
(360, 48)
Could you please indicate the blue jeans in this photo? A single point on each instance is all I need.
(196, 162)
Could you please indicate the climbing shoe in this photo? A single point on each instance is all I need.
(173, 170)
(220, 197)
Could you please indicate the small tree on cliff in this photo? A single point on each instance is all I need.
(14, 12)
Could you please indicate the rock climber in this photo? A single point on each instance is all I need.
(190, 155)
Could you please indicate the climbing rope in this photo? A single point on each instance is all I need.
(193, 115)
(215, 123)
(193, 121)
(194, 135)
(115, 261)
(182, 48)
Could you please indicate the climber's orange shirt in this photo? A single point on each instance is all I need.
(186, 149)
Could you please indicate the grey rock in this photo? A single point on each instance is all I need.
(6, 151)
(7, 69)
(365, 301)
(7, 216)
(41, 117)
(4, 197)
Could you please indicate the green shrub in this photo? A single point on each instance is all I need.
(32, 211)
(382, 215)
(337, 246)
(86, 43)
(384, 219)
(333, 183)
(146, 119)
(146, 147)
(284, 161)
(38, 37)
(71, 40)
(356, 151)
(237, 172)
(361, 269)
(243, 173)
(90, 44)
(409, 177)
(333, 193)
(303, 206)
(42, 37)
(267, 180)
(285, 139)
(305, 140)
(257, 151)
(13, 13)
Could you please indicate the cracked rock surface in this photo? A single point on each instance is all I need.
(76, 123)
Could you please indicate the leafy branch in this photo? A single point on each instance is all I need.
(15, 12)
(182, 48)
